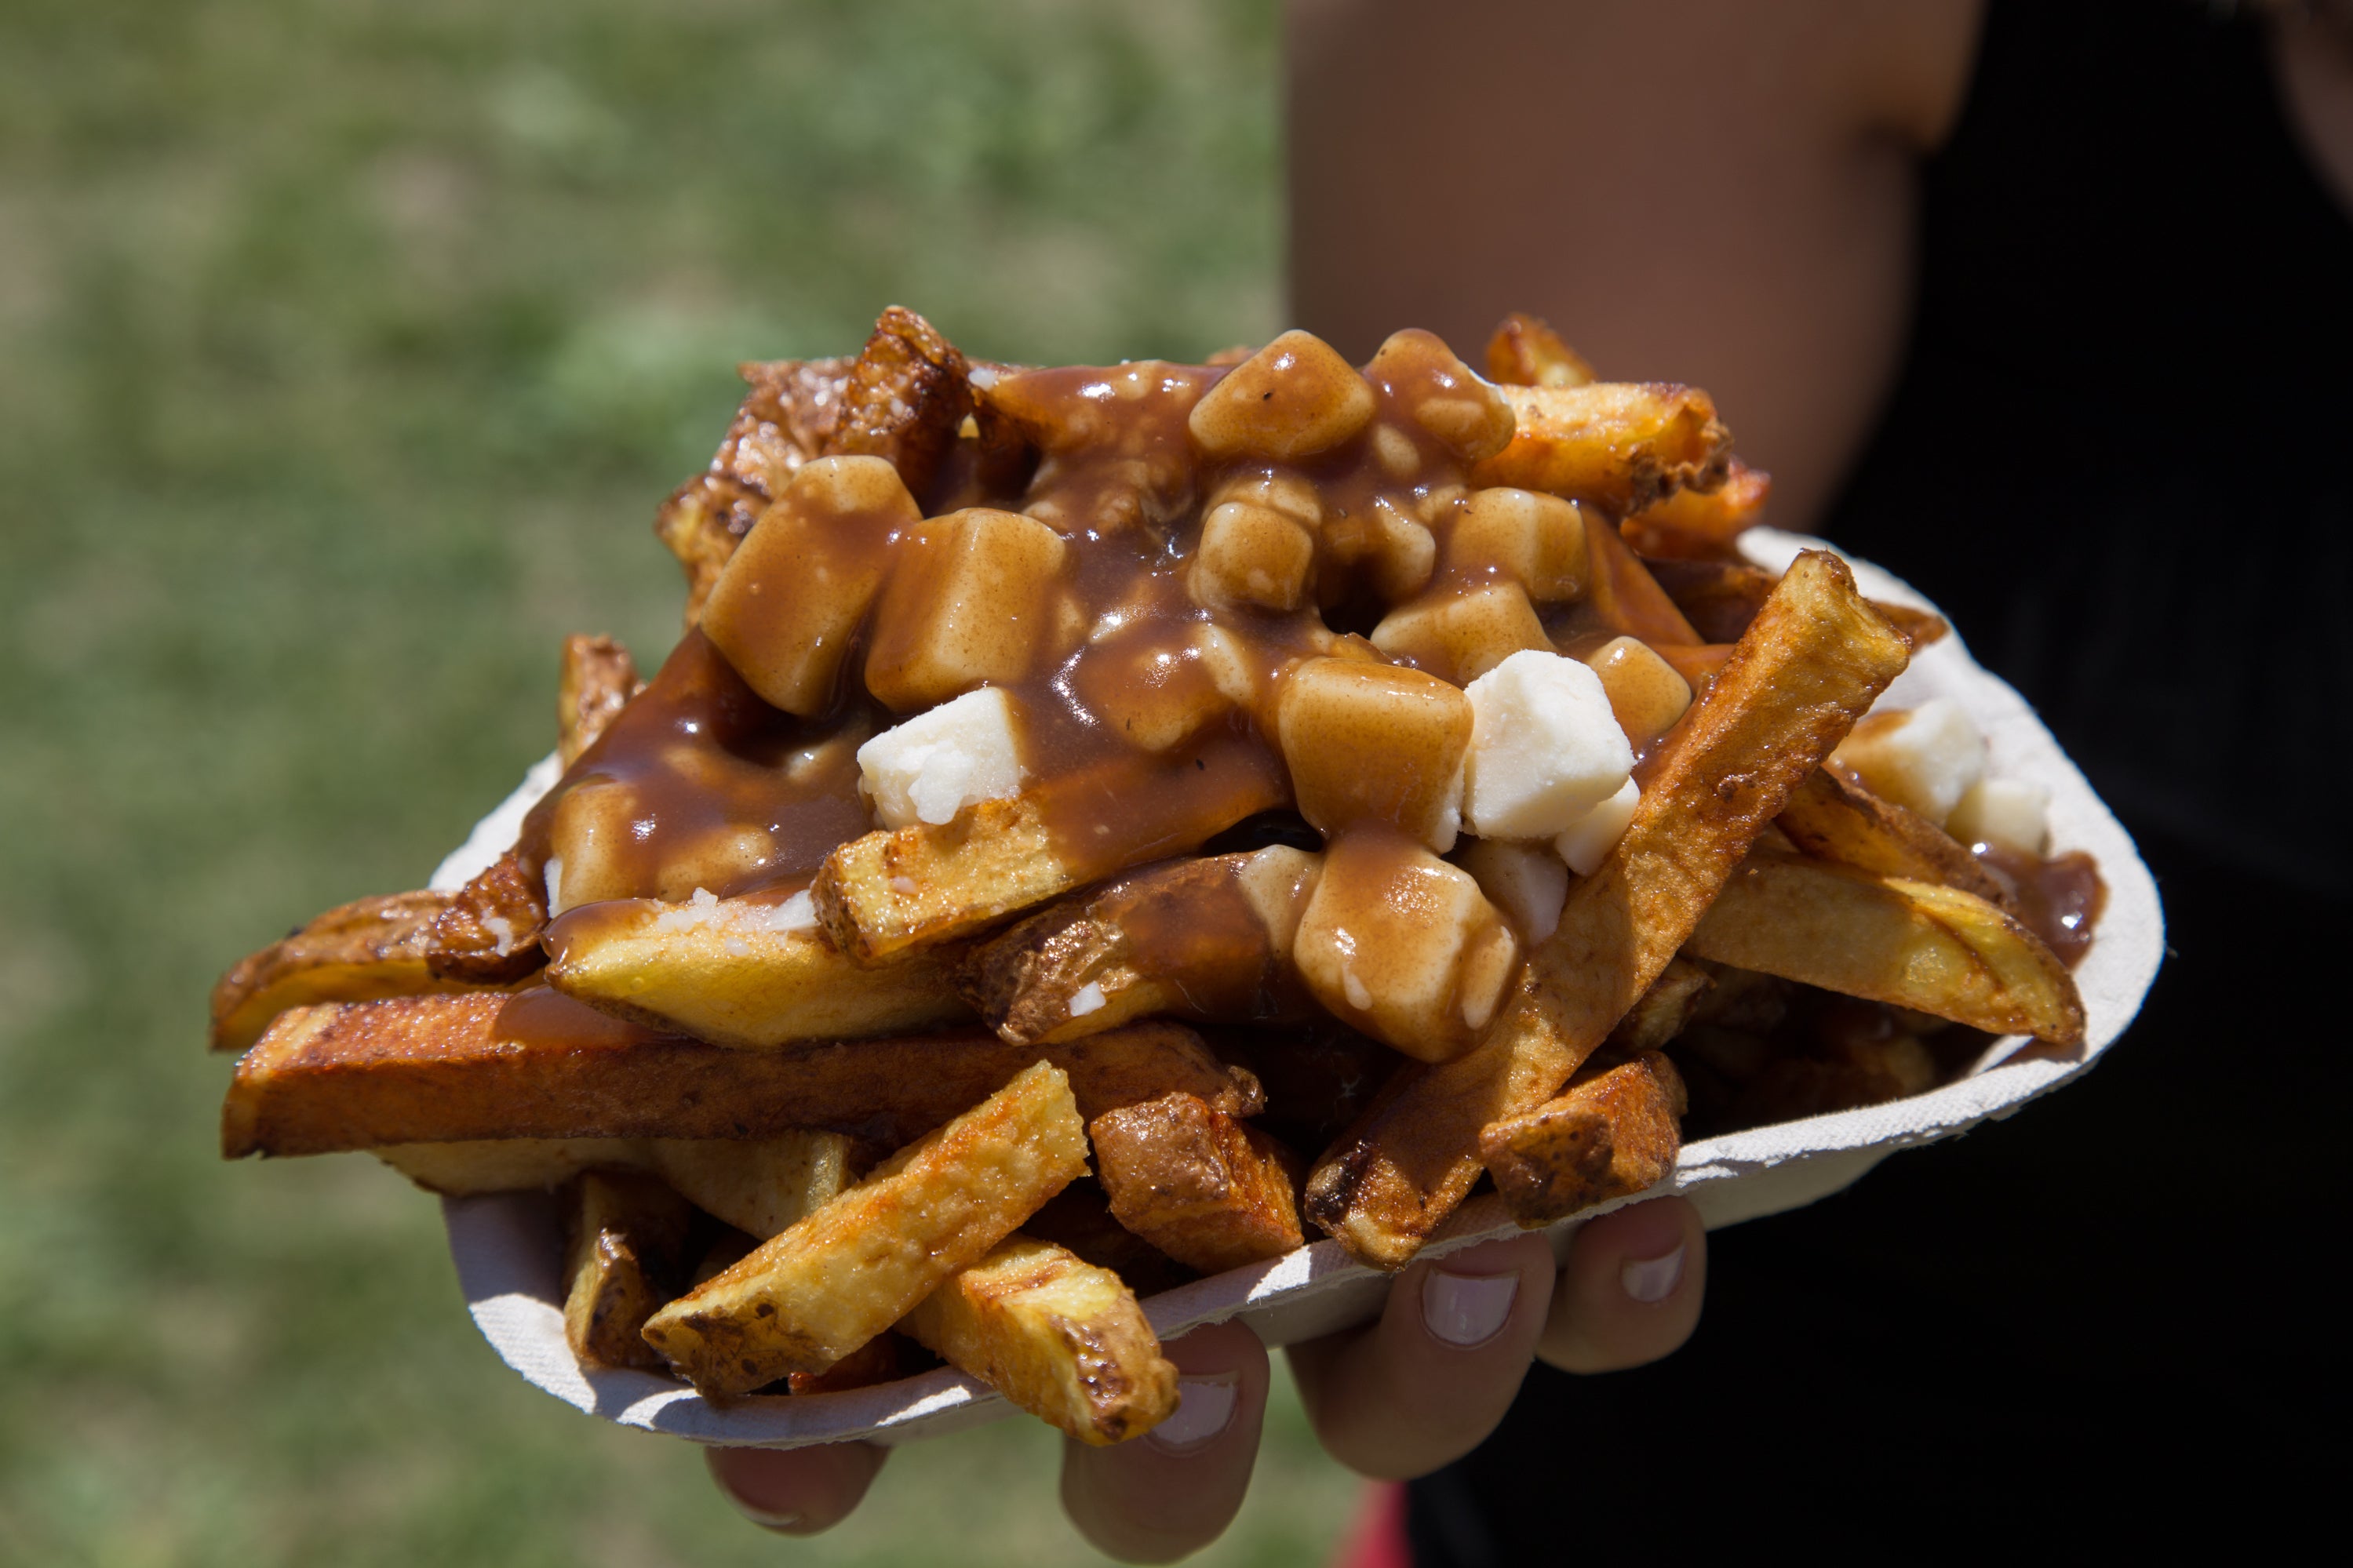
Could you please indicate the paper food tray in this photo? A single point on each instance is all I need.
(508, 1247)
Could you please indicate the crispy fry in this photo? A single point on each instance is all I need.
(787, 417)
(1526, 352)
(1623, 445)
(1701, 524)
(445, 1069)
(1834, 817)
(1933, 949)
(907, 396)
(1204, 939)
(1623, 598)
(1663, 1010)
(812, 1294)
(1079, 1219)
(923, 885)
(1203, 1188)
(1611, 1134)
(598, 678)
(626, 1232)
(1810, 663)
(1057, 1336)
(354, 952)
(759, 1185)
(1720, 597)
(727, 971)
(489, 933)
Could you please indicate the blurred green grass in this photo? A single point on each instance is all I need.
(345, 349)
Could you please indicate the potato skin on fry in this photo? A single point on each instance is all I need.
(1912, 944)
(1058, 1337)
(1811, 662)
(598, 678)
(1611, 1134)
(809, 1296)
(1621, 444)
(1834, 817)
(625, 1238)
(359, 952)
(489, 934)
(1203, 1188)
(441, 1068)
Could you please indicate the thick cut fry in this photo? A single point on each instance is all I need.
(1609, 1134)
(627, 1235)
(1721, 597)
(1207, 1191)
(429, 1070)
(806, 1297)
(489, 934)
(923, 885)
(598, 677)
(1808, 667)
(1622, 445)
(1694, 524)
(1934, 950)
(906, 398)
(357, 951)
(1664, 1008)
(759, 1185)
(1204, 939)
(730, 971)
(1833, 818)
(785, 419)
(1057, 1336)
(1526, 352)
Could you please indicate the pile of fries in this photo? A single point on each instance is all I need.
(1103, 826)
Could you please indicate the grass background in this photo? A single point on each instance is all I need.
(345, 349)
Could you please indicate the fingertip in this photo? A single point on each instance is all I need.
(1170, 1492)
(796, 1492)
(1631, 1291)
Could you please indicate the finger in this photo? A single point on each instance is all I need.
(1173, 1490)
(1426, 1383)
(1632, 1288)
(796, 1492)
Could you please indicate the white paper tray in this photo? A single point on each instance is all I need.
(507, 1247)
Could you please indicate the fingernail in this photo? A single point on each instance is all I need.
(786, 1523)
(1205, 1407)
(1653, 1280)
(1467, 1310)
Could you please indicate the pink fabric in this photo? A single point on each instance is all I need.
(1377, 1538)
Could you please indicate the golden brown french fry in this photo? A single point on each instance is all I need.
(923, 885)
(1622, 445)
(627, 1235)
(906, 397)
(598, 677)
(1525, 352)
(1834, 817)
(425, 1069)
(1207, 1191)
(488, 933)
(1203, 939)
(1720, 597)
(1810, 663)
(808, 1296)
(357, 951)
(730, 971)
(1611, 1134)
(1933, 949)
(1696, 524)
(1663, 1010)
(1057, 1336)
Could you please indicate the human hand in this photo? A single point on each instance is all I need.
(1410, 1391)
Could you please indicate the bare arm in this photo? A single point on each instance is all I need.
(1708, 191)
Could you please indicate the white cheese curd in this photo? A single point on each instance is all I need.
(938, 763)
(1594, 834)
(1544, 747)
(1526, 881)
(2007, 814)
(1926, 758)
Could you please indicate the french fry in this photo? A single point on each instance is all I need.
(1701, 524)
(1663, 1011)
(625, 1237)
(489, 932)
(1526, 352)
(1834, 817)
(426, 1070)
(1200, 1186)
(598, 677)
(357, 951)
(1057, 1336)
(906, 397)
(727, 971)
(1720, 597)
(885, 1358)
(1809, 665)
(1933, 949)
(1611, 1134)
(1079, 1219)
(923, 885)
(1622, 445)
(1204, 939)
(808, 1296)
(759, 1185)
